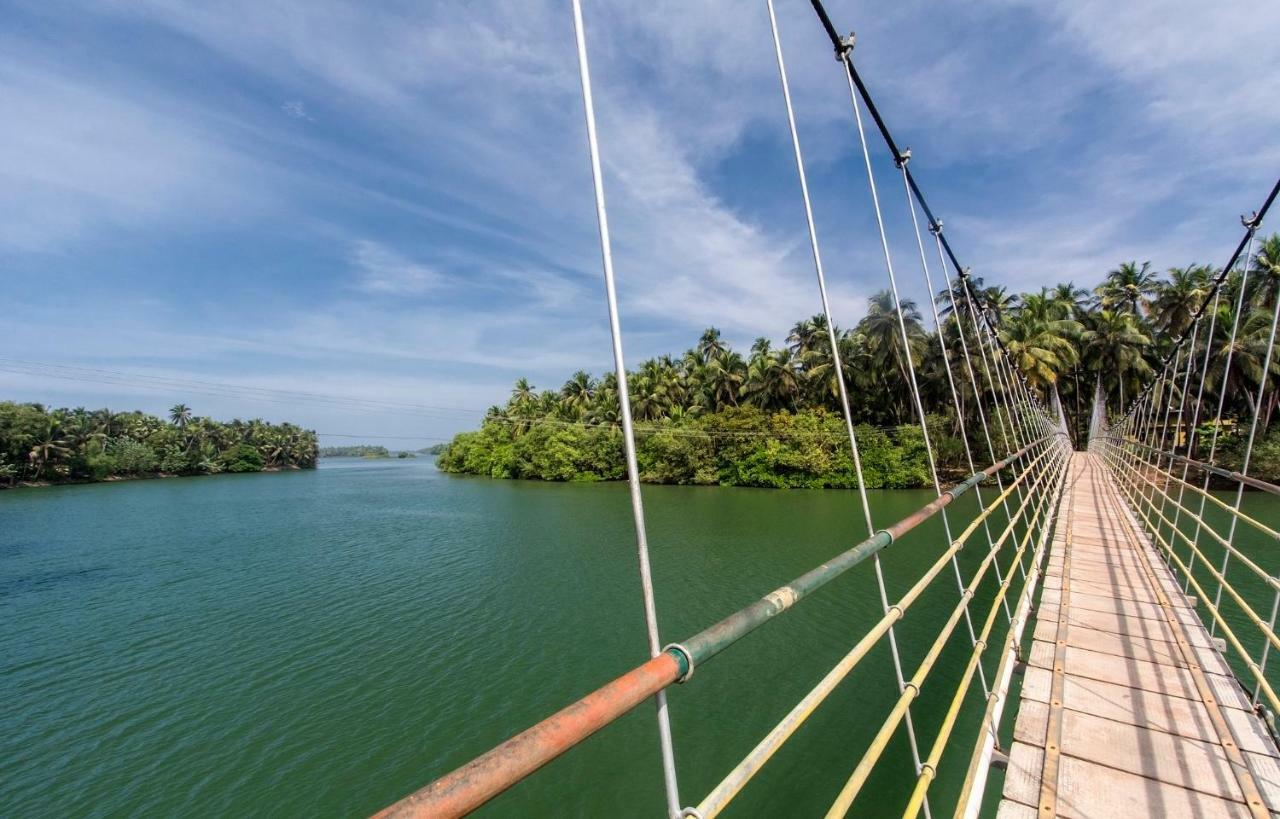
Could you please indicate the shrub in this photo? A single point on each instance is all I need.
(131, 457)
(242, 458)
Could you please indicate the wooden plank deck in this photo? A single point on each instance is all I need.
(1127, 708)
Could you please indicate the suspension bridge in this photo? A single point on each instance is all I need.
(1105, 672)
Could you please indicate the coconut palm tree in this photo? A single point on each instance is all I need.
(710, 345)
(1264, 276)
(1128, 287)
(576, 394)
(1113, 344)
(773, 379)
(179, 415)
(1041, 347)
(1075, 300)
(49, 446)
(1177, 300)
(889, 363)
(725, 375)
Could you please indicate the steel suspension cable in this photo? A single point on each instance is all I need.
(973, 381)
(908, 365)
(1182, 412)
(951, 384)
(1253, 433)
(671, 789)
(834, 342)
(929, 775)
(1222, 390)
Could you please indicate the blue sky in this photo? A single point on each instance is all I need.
(391, 204)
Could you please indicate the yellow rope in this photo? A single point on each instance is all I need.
(929, 770)
(1263, 685)
(735, 780)
(859, 776)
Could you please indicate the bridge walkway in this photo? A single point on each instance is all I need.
(1127, 708)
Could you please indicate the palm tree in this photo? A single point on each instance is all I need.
(997, 302)
(955, 295)
(523, 393)
(576, 394)
(889, 363)
(1040, 345)
(49, 445)
(179, 415)
(1178, 300)
(725, 375)
(773, 378)
(1127, 287)
(710, 344)
(1075, 300)
(523, 408)
(1113, 345)
(1264, 278)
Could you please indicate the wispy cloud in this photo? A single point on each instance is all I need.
(296, 109)
(382, 271)
(435, 224)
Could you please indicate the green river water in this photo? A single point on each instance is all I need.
(321, 643)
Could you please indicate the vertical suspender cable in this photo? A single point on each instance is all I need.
(951, 385)
(834, 341)
(1248, 450)
(1222, 393)
(628, 432)
(912, 385)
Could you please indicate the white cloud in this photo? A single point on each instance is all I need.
(78, 155)
(297, 110)
(382, 271)
(1047, 136)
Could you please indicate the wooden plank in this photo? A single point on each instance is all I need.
(1127, 709)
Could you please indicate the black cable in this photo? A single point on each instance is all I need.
(842, 47)
(1251, 227)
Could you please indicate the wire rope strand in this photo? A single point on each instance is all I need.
(907, 364)
(834, 341)
(671, 790)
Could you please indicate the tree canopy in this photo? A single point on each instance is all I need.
(54, 445)
(696, 411)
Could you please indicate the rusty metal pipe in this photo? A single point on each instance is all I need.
(486, 776)
(467, 788)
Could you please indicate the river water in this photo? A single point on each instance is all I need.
(321, 643)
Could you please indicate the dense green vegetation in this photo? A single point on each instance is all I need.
(359, 451)
(771, 417)
(67, 445)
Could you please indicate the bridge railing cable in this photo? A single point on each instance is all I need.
(1155, 454)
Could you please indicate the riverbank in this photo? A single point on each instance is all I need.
(154, 476)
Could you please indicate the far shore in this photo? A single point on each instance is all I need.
(150, 476)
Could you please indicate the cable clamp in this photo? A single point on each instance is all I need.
(935, 227)
(846, 47)
(903, 158)
(1251, 222)
(688, 659)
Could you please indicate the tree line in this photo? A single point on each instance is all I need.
(771, 416)
(68, 445)
(355, 451)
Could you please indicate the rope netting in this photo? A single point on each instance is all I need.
(1183, 489)
(1008, 516)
